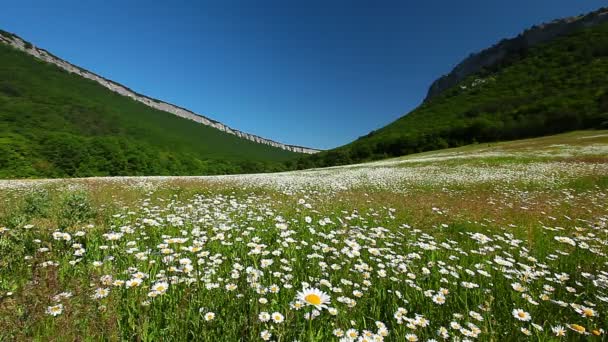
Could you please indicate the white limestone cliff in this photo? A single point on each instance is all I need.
(44, 55)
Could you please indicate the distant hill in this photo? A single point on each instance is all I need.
(513, 90)
(58, 120)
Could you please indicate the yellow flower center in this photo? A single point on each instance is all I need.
(578, 328)
(587, 312)
(521, 314)
(313, 299)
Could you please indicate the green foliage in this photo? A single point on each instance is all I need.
(57, 124)
(37, 204)
(75, 208)
(551, 88)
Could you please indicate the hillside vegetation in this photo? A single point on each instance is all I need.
(551, 88)
(57, 124)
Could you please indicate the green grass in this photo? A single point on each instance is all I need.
(57, 124)
(373, 249)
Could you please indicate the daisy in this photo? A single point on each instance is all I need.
(264, 316)
(439, 299)
(314, 297)
(209, 316)
(559, 330)
(411, 338)
(101, 293)
(265, 335)
(160, 287)
(521, 315)
(133, 282)
(586, 312)
(578, 328)
(55, 310)
(277, 317)
(352, 333)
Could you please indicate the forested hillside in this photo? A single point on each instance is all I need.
(57, 124)
(551, 88)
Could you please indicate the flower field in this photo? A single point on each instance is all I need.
(485, 243)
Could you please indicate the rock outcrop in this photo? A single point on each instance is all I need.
(17, 42)
(535, 35)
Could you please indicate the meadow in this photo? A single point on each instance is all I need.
(503, 241)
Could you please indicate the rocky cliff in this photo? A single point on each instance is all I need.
(530, 37)
(17, 42)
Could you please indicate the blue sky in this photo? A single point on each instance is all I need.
(312, 73)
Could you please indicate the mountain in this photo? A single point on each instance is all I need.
(59, 120)
(549, 79)
(508, 47)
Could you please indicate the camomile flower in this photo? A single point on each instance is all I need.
(264, 316)
(160, 287)
(559, 331)
(518, 287)
(265, 335)
(277, 317)
(521, 315)
(55, 310)
(274, 288)
(352, 333)
(586, 312)
(578, 328)
(411, 338)
(476, 315)
(101, 293)
(314, 297)
(209, 316)
(439, 299)
(338, 332)
(133, 282)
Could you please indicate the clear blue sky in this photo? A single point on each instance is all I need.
(317, 73)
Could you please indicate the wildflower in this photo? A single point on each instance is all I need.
(439, 299)
(209, 316)
(352, 333)
(101, 293)
(54, 310)
(476, 315)
(578, 328)
(135, 282)
(265, 335)
(277, 317)
(314, 297)
(264, 316)
(559, 331)
(521, 315)
(411, 338)
(160, 287)
(586, 312)
(518, 287)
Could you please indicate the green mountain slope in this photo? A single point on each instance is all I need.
(550, 88)
(57, 124)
